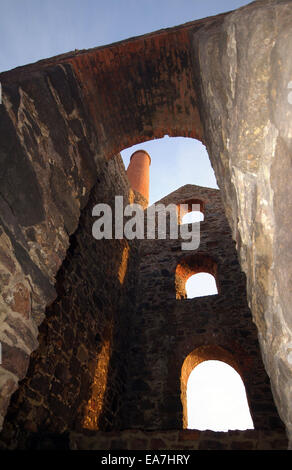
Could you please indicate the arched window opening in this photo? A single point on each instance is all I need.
(192, 217)
(188, 283)
(217, 383)
(201, 284)
(216, 398)
(190, 211)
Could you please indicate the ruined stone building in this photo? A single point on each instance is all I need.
(97, 337)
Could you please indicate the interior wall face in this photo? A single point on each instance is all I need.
(48, 165)
(223, 80)
(78, 373)
(167, 328)
(114, 342)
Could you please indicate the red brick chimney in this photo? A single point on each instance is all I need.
(138, 172)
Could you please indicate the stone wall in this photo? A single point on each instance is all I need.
(242, 69)
(49, 164)
(78, 373)
(114, 343)
(174, 440)
(167, 329)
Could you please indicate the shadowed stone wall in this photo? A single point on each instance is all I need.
(48, 166)
(168, 328)
(175, 440)
(114, 343)
(77, 376)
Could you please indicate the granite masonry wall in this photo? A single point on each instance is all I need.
(118, 344)
(167, 328)
(77, 375)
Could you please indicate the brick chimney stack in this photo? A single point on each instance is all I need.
(138, 172)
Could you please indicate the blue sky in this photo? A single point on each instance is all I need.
(35, 29)
(31, 30)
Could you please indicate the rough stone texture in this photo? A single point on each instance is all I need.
(223, 80)
(117, 354)
(244, 71)
(181, 440)
(48, 165)
(178, 440)
(167, 328)
(77, 375)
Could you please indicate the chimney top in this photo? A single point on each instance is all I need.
(138, 172)
(143, 151)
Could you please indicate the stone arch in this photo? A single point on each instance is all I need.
(198, 355)
(190, 265)
(157, 95)
(184, 207)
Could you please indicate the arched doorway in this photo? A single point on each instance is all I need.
(200, 356)
(216, 398)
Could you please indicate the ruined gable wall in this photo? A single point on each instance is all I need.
(167, 329)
